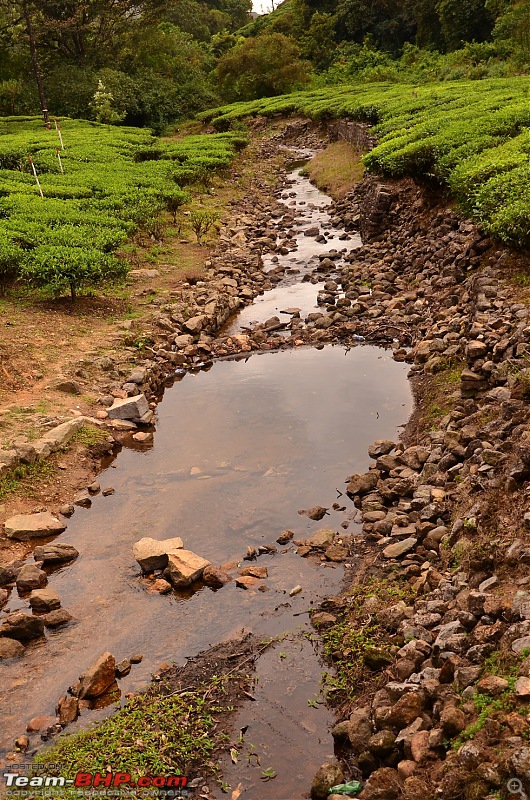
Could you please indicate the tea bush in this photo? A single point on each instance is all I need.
(470, 136)
(114, 181)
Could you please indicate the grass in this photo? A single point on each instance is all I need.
(89, 436)
(360, 638)
(25, 478)
(469, 136)
(336, 170)
(157, 733)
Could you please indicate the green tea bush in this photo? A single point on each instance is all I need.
(470, 136)
(115, 181)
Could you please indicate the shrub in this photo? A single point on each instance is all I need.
(58, 268)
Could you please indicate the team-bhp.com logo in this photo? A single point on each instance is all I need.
(96, 780)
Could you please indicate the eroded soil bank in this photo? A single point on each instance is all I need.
(429, 641)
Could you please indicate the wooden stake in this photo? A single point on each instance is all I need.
(57, 128)
(36, 176)
(60, 162)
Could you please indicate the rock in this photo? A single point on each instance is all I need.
(381, 447)
(184, 567)
(285, 537)
(382, 743)
(31, 577)
(383, 784)
(108, 491)
(130, 408)
(55, 553)
(489, 583)
(400, 548)
(66, 386)
(22, 743)
(143, 437)
(254, 572)
(44, 600)
(316, 513)
(362, 484)
(196, 324)
(10, 648)
(452, 720)
(215, 577)
(336, 553)
(98, 677)
(360, 729)
(56, 618)
(492, 685)
(40, 723)
(7, 575)
(4, 597)
(522, 688)
(67, 510)
(247, 582)
(28, 526)
(521, 644)
(322, 619)
(160, 586)
(321, 539)
(22, 626)
(328, 775)
(406, 710)
(123, 668)
(83, 499)
(152, 554)
(67, 710)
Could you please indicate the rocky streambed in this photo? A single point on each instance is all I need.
(434, 544)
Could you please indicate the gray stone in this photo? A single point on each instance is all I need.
(29, 526)
(400, 548)
(130, 408)
(55, 553)
(519, 645)
(152, 554)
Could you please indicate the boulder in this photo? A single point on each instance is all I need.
(31, 577)
(328, 775)
(55, 553)
(98, 677)
(321, 539)
(362, 484)
(44, 600)
(56, 618)
(10, 648)
(152, 554)
(184, 567)
(22, 626)
(29, 526)
(67, 710)
(400, 548)
(383, 784)
(130, 408)
(215, 577)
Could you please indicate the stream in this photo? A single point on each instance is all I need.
(238, 450)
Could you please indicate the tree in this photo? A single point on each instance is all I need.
(263, 66)
(58, 268)
(464, 21)
(513, 24)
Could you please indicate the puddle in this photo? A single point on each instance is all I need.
(238, 450)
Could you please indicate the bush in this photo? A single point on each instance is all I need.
(58, 268)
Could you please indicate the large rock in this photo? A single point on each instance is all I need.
(56, 618)
(31, 577)
(152, 554)
(55, 553)
(29, 526)
(400, 548)
(184, 567)
(383, 784)
(98, 677)
(131, 408)
(7, 575)
(321, 539)
(10, 648)
(22, 626)
(44, 600)
(327, 776)
(215, 577)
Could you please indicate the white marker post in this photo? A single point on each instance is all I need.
(58, 129)
(60, 162)
(36, 176)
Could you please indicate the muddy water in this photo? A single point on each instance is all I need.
(237, 451)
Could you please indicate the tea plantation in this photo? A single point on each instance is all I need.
(470, 136)
(105, 184)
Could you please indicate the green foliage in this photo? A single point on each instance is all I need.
(102, 106)
(115, 181)
(201, 221)
(473, 137)
(264, 66)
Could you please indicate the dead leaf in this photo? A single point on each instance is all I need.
(234, 755)
(236, 793)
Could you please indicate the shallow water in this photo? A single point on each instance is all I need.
(238, 450)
